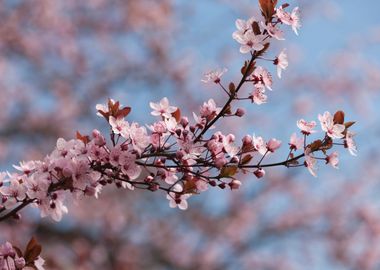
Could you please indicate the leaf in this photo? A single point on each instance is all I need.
(256, 28)
(314, 146)
(246, 159)
(123, 112)
(228, 172)
(244, 67)
(32, 251)
(267, 8)
(190, 187)
(349, 124)
(261, 53)
(339, 117)
(177, 115)
(84, 138)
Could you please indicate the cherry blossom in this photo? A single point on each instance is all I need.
(177, 200)
(214, 76)
(306, 127)
(350, 143)
(119, 126)
(335, 131)
(310, 162)
(242, 27)
(250, 42)
(162, 108)
(259, 144)
(273, 31)
(257, 95)
(295, 142)
(292, 19)
(333, 159)
(281, 62)
(263, 75)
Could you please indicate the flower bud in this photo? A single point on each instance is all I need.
(184, 121)
(234, 184)
(240, 112)
(259, 173)
(247, 140)
(20, 263)
(222, 185)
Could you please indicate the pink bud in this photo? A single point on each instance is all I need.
(184, 121)
(240, 112)
(259, 173)
(234, 184)
(247, 140)
(20, 263)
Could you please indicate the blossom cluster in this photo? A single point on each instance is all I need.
(12, 258)
(176, 154)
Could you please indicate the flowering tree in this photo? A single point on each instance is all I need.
(178, 155)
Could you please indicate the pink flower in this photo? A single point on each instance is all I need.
(139, 137)
(162, 108)
(209, 109)
(14, 191)
(259, 144)
(333, 159)
(228, 145)
(53, 207)
(306, 127)
(264, 76)
(257, 96)
(242, 27)
(250, 42)
(37, 186)
(310, 162)
(282, 62)
(273, 145)
(292, 19)
(178, 200)
(26, 167)
(129, 166)
(295, 142)
(119, 126)
(273, 31)
(334, 131)
(350, 143)
(214, 76)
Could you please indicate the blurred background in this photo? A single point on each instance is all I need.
(58, 59)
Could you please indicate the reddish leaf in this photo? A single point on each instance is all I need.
(339, 117)
(267, 8)
(85, 139)
(32, 251)
(177, 115)
(256, 28)
(261, 53)
(123, 112)
(246, 159)
(348, 124)
(314, 146)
